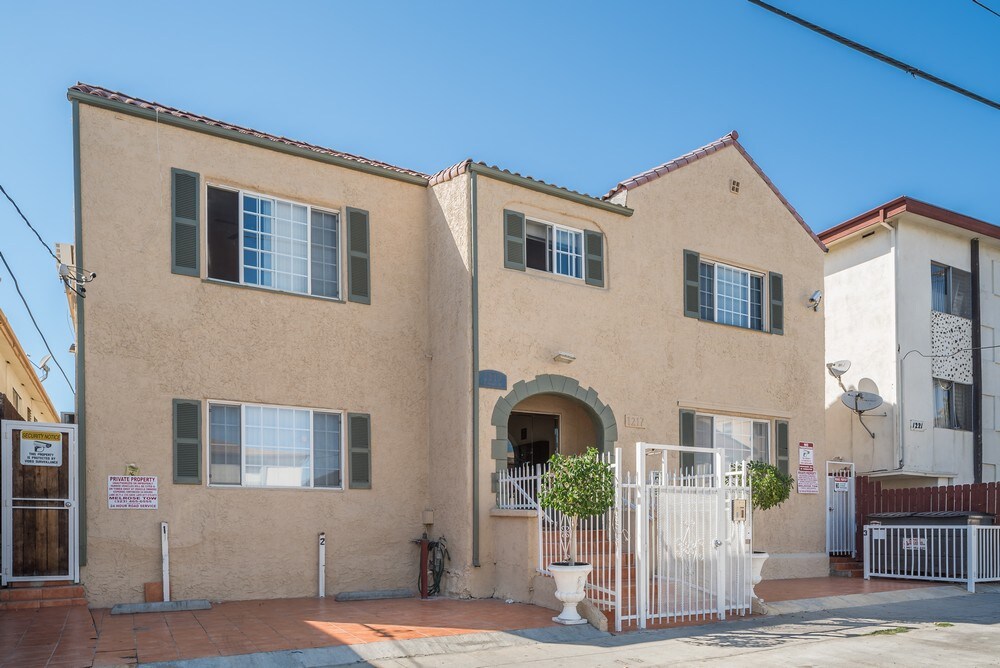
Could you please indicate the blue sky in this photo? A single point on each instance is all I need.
(581, 94)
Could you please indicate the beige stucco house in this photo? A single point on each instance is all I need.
(297, 340)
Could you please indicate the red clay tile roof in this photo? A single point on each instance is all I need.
(909, 205)
(106, 94)
(730, 139)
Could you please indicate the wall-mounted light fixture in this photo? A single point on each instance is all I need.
(564, 357)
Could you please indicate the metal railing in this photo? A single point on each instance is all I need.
(967, 554)
(517, 487)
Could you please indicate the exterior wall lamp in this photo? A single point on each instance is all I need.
(564, 357)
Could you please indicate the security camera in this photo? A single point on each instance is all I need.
(815, 299)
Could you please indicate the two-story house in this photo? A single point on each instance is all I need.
(296, 340)
(913, 303)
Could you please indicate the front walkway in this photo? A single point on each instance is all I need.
(78, 637)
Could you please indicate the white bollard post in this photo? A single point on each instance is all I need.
(322, 565)
(972, 566)
(165, 551)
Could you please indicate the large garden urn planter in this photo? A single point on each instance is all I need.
(570, 584)
(757, 563)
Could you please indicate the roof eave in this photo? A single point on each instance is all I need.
(234, 135)
(556, 191)
(905, 204)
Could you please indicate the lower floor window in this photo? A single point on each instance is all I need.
(952, 405)
(739, 439)
(274, 446)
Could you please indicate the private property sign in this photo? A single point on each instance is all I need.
(134, 492)
(41, 448)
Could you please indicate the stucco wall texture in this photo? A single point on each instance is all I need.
(407, 359)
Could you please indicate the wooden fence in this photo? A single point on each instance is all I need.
(871, 498)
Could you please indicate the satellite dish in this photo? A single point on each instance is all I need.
(838, 368)
(859, 402)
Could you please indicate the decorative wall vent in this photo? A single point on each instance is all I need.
(734, 187)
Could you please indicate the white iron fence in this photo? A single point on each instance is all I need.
(676, 545)
(967, 554)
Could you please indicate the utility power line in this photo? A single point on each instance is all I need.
(986, 8)
(32, 227)
(35, 322)
(877, 55)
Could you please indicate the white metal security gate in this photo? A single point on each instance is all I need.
(690, 533)
(840, 521)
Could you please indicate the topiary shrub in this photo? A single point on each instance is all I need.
(577, 486)
(769, 487)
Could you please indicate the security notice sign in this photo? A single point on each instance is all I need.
(41, 448)
(136, 492)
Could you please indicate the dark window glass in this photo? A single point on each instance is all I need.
(224, 444)
(952, 405)
(223, 235)
(706, 291)
(326, 449)
(963, 406)
(961, 293)
(939, 288)
(537, 253)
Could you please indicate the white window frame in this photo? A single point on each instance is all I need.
(764, 300)
(340, 213)
(550, 253)
(771, 454)
(243, 460)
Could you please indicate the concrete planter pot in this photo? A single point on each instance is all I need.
(570, 584)
(757, 562)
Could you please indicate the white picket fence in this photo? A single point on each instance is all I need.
(967, 554)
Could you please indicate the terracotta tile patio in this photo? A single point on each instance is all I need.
(80, 637)
(800, 588)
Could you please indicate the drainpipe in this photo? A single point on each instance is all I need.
(900, 418)
(474, 270)
(977, 369)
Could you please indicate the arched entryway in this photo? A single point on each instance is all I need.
(585, 420)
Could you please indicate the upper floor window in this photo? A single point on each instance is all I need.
(730, 295)
(273, 243)
(15, 399)
(951, 290)
(553, 248)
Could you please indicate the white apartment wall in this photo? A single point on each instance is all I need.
(989, 294)
(859, 306)
(931, 450)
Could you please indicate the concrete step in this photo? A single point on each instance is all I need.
(48, 592)
(42, 603)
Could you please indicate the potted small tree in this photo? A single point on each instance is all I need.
(769, 488)
(576, 486)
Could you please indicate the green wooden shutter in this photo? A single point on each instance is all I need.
(513, 240)
(781, 447)
(359, 287)
(185, 214)
(692, 262)
(593, 244)
(187, 441)
(777, 295)
(687, 438)
(359, 448)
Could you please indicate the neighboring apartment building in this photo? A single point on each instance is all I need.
(913, 302)
(22, 395)
(297, 340)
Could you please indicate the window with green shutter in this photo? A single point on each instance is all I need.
(776, 286)
(359, 287)
(187, 441)
(359, 448)
(184, 228)
(594, 247)
(781, 445)
(513, 240)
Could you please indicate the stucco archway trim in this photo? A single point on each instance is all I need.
(556, 385)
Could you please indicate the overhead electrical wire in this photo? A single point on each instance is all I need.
(877, 55)
(986, 8)
(30, 226)
(17, 287)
